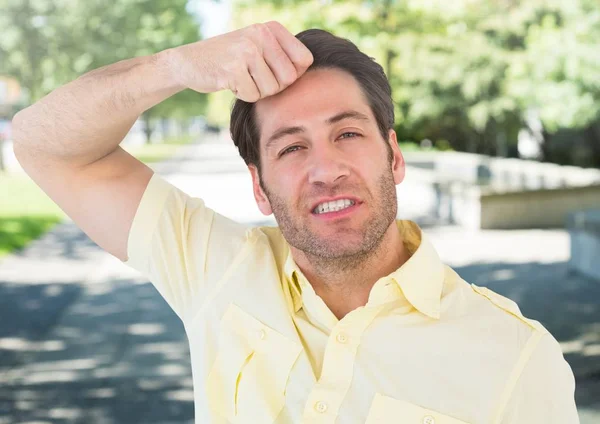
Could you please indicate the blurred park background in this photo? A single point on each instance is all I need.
(498, 112)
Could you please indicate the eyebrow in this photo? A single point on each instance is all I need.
(285, 131)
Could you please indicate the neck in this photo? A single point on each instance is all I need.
(345, 283)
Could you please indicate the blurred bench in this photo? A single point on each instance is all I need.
(584, 232)
(482, 192)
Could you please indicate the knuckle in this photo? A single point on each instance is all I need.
(255, 28)
(263, 36)
(274, 25)
(260, 30)
(289, 76)
(266, 36)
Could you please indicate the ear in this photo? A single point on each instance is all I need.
(398, 164)
(259, 195)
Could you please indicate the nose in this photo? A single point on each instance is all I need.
(327, 165)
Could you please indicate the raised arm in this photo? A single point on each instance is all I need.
(68, 142)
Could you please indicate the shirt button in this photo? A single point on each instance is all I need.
(428, 419)
(342, 338)
(262, 334)
(320, 407)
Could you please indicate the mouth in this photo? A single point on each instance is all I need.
(335, 209)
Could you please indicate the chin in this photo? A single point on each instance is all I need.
(340, 248)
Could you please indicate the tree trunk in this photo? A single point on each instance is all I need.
(148, 128)
(389, 58)
(472, 144)
(384, 24)
(545, 147)
(593, 138)
(501, 144)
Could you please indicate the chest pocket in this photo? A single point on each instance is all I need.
(248, 379)
(387, 410)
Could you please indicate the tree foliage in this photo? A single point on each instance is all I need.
(470, 71)
(46, 43)
(467, 71)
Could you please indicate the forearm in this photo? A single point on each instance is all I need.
(87, 119)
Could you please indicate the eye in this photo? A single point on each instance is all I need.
(289, 150)
(351, 134)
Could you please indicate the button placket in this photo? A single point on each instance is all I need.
(428, 419)
(338, 363)
(342, 337)
(321, 407)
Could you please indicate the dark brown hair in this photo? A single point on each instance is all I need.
(329, 51)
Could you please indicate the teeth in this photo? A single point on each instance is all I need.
(334, 206)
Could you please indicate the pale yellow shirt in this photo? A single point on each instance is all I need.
(427, 347)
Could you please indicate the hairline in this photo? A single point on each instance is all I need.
(254, 115)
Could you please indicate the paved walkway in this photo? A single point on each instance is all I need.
(85, 339)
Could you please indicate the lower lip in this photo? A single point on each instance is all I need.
(327, 216)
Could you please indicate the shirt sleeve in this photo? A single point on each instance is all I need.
(180, 245)
(545, 391)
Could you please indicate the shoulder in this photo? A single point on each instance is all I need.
(539, 374)
(487, 316)
(482, 305)
(507, 307)
(541, 347)
(538, 344)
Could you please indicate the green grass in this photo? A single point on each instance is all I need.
(150, 153)
(26, 212)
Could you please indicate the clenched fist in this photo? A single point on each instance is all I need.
(253, 62)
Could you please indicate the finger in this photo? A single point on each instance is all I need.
(245, 88)
(298, 53)
(280, 64)
(263, 77)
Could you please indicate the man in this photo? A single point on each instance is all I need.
(341, 314)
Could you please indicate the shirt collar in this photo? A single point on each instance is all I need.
(420, 278)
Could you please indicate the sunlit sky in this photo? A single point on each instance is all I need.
(214, 15)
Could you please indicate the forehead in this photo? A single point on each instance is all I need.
(314, 97)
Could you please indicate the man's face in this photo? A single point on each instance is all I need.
(319, 142)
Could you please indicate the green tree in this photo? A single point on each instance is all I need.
(48, 43)
(469, 71)
(28, 39)
(558, 77)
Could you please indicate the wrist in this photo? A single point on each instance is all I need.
(167, 65)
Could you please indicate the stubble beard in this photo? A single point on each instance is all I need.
(336, 255)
